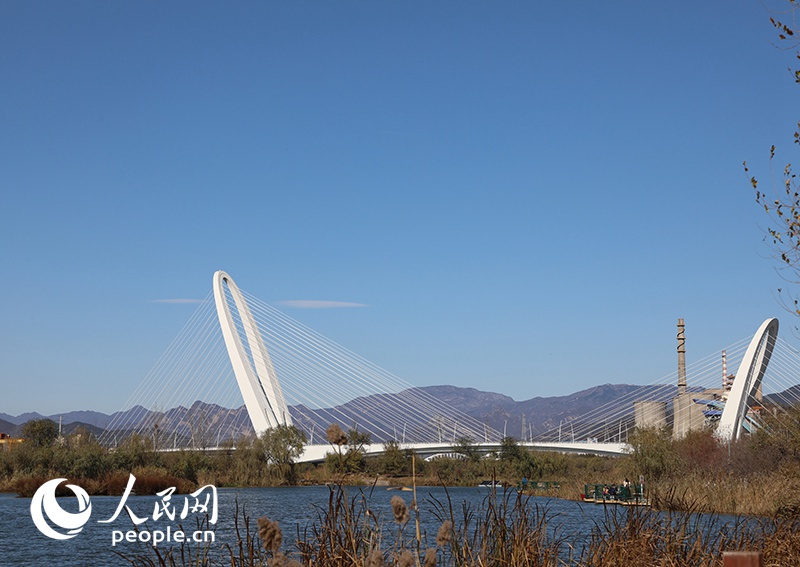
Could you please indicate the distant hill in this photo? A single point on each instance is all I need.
(788, 397)
(7, 427)
(541, 414)
(71, 427)
(15, 430)
(94, 418)
(496, 410)
(21, 418)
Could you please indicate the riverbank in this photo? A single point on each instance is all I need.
(521, 525)
(765, 495)
(758, 476)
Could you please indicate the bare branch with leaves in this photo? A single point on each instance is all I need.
(782, 204)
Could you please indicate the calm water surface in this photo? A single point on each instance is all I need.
(22, 544)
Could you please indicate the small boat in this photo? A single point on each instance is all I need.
(491, 484)
(611, 494)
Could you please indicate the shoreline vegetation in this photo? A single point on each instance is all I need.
(756, 476)
(756, 480)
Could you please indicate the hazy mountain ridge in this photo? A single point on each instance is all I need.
(499, 411)
(543, 414)
(788, 396)
(95, 418)
(476, 403)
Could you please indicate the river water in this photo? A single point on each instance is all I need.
(21, 543)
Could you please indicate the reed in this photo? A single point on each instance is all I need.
(769, 494)
(643, 537)
(508, 530)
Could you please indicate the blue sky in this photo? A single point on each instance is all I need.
(525, 195)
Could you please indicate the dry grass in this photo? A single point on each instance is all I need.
(765, 495)
(644, 538)
(509, 530)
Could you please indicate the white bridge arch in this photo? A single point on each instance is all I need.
(748, 380)
(262, 393)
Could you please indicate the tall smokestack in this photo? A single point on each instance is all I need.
(724, 370)
(681, 358)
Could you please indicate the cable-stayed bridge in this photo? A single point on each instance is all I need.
(239, 367)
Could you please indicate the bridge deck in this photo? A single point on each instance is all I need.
(317, 453)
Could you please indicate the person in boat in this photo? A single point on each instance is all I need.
(625, 491)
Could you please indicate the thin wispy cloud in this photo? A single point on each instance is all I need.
(318, 304)
(176, 301)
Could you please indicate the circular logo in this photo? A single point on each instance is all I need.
(44, 504)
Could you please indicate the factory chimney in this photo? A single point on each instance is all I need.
(681, 358)
(724, 370)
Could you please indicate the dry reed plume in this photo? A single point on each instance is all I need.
(335, 435)
(399, 510)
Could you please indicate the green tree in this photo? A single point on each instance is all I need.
(282, 445)
(249, 461)
(337, 438)
(6, 465)
(777, 442)
(40, 432)
(466, 446)
(357, 441)
(510, 450)
(394, 460)
(90, 461)
(653, 452)
(135, 451)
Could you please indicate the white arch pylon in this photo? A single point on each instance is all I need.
(748, 380)
(251, 363)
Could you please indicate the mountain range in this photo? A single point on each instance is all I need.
(536, 415)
